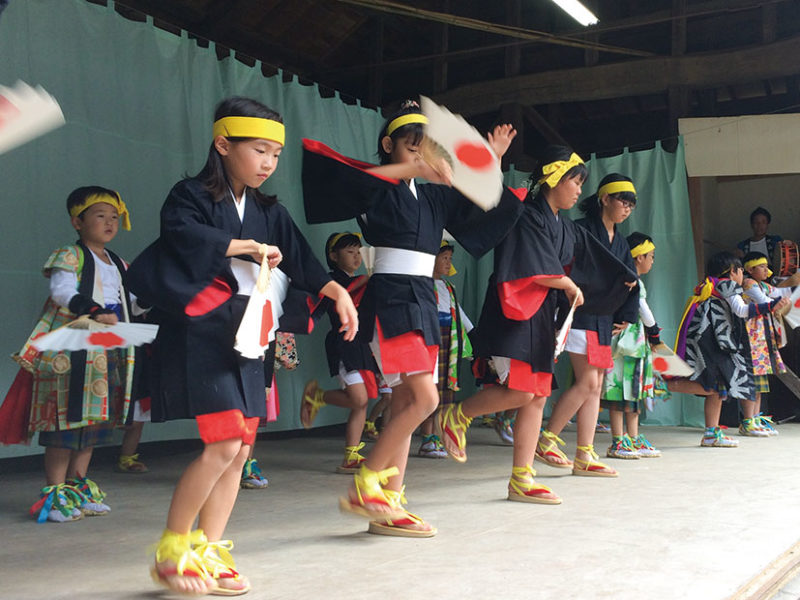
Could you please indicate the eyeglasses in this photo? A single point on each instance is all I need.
(625, 203)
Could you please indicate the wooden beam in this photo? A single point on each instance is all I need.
(543, 125)
(441, 44)
(513, 53)
(505, 30)
(629, 78)
(375, 94)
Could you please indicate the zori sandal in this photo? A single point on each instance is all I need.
(352, 459)
(547, 450)
(370, 431)
(592, 467)
(369, 492)
(217, 560)
(454, 425)
(522, 488)
(313, 399)
(130, 463)
(94, 498)
(175, 556)
(410, 526)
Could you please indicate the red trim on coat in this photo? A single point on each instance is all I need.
(406, 353)
(227, 425)
(356, 290)
(215, 294)
(145, 403)
(15, 413)
(520, 193)
(323, 150)
(523, 379)
(369, 382)
(520, 299)
(597, 355)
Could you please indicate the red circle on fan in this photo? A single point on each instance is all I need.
(474, 155)
(106, 339)
(660, 364)
(797, 303)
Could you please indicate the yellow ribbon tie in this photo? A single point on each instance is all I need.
(554, 171)
(339, 236)
(643, 248)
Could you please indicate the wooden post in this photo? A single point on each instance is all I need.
(375, 93)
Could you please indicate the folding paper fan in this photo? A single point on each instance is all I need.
(561, 336)
(476, 168)
(666, 362)
(263, 310)
(26, 113)
(368, 258)
(792, 316)
(87, 334)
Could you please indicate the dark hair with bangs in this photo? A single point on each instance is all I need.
(591, 207)
(721, 264)
(552, 154)
(213, 173)
(414, 131)
(347, 240)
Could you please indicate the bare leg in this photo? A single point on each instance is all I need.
(130, 441)
(615, 419)
(526, 429)
(56, 463)
(750, 408)
(79, 463)
(199, 479)
(216, 511)
(632, 421)
(712, 408)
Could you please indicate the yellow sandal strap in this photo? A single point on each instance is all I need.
(177, 548)
(351, 452)
(553, 437)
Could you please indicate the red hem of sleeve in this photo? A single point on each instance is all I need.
(520, 299)
(323, 150)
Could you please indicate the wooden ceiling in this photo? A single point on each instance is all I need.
(621, 83)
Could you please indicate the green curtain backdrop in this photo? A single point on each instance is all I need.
(139, 103)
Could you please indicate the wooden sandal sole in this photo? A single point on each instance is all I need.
(381, 529)
(532, 499)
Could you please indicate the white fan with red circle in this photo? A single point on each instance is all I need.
(476, 168)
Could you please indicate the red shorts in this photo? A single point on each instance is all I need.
(227, 425)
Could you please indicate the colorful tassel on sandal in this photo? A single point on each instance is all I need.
(94, 497)
(59, 504)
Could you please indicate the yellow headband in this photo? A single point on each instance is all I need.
(250, 127)
(405, 120)
(615, 187)
(442, 246)
(758, 261)
(115, 201)
(554, 171)
(643, 248)
(339, 236)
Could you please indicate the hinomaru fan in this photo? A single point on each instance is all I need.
(476, 168)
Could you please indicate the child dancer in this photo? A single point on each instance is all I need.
(764, 342)
(404, 221)
(352, 362)
(712, 338)
(517, 326)
(214, 233)
(454, 325)
(589, 340)
(78, 397)
(631, 379)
